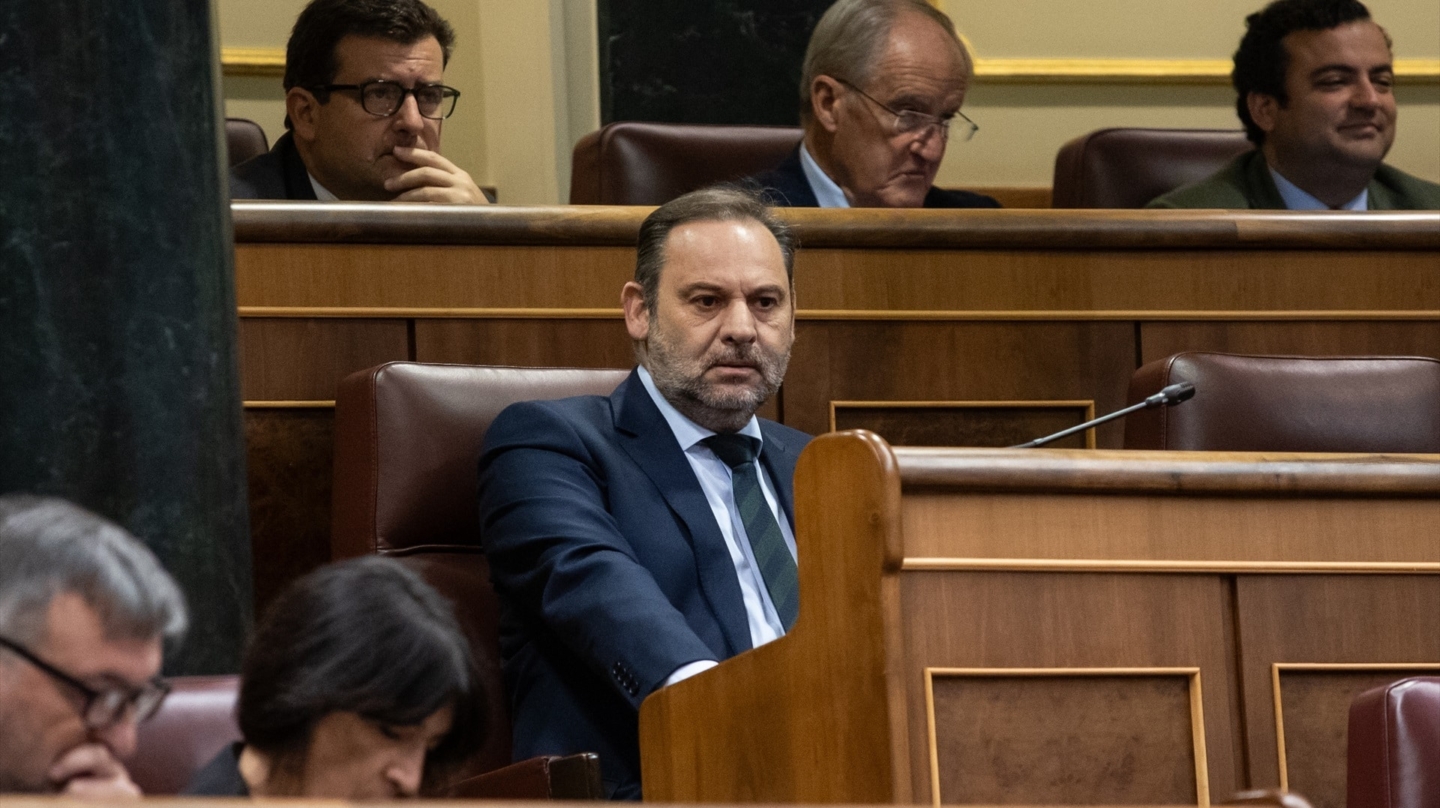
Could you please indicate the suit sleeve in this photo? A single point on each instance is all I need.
(557, 554)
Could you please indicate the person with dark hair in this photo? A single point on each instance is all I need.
(636, 539)
(85, 609)
(880, 96)
(364, 104)
(1314, 83)
(357, 684)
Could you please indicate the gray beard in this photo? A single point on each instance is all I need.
(682, 383)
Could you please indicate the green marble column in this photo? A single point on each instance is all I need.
(118, 380)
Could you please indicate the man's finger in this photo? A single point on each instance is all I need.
(419, 178)
(112, 788)
(424, 157)
(88, 759)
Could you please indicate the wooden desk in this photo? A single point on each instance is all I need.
(964, 328)
(1066, 627)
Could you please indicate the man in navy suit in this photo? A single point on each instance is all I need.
(880, 97)
(637, 539)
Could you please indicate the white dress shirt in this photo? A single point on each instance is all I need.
(1297, 198)
(827, 193)
(714, 477)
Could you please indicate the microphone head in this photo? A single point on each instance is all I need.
(1178, 392)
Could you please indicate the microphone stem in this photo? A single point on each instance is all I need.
(1065, 433)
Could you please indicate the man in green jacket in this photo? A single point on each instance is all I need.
(1314, 80)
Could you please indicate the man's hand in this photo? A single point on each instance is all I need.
(91, 772)
(434, 179)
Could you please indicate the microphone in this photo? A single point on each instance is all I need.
(1168, 396)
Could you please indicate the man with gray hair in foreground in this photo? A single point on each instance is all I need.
(84, 611)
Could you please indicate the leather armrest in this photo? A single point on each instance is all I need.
(572, 777)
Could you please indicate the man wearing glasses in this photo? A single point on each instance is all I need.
(364, 103)
(84, 611)
(880, 98)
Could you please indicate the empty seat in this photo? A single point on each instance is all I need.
(1126, 168)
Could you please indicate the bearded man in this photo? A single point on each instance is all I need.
(636, 539)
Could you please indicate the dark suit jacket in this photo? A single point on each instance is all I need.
(785, 186)
(1245, 182)
(276, 174)
(610, 567)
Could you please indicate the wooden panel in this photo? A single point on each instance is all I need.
(288, 452)
(406, 276)
(525, 342)
(1173, 531)
(957, 361)
(1066, 737)
(1306, 338)
(1160, 280)
(303, 359)
(1018, 196)
(1375, 619)
(935, 424)
(1316, 712)
(1084, 620)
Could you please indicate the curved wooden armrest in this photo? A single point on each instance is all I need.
(551, 777)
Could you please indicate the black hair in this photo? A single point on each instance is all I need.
(367, 636)
(1262, 61)
(310, 54)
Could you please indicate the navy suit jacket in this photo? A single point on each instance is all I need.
(276, 174)
(786, 186)
(610, 567)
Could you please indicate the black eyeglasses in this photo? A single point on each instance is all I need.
(103, 708)
(909, 121)
(383, 98)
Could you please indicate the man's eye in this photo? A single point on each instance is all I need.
(707, 301)
(767, 302)
(389, 731)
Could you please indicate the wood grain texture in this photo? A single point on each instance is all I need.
(812, 717)
(1299, 338)
(288, 457)
(787, 718)
(1345, 619)
(461, 224)
(1001, 424)
(287, 359)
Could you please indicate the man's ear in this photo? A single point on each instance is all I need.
(302, 109)
(824, 102)
(637, 314)
(1262, 108)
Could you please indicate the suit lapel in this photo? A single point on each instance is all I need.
(779, 460)
(647, 438)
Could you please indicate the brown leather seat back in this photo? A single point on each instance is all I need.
(631, 163)
(407, 441)
(244, 139)
(1126, 168)
(1290, 404)
(1394, 746)
(193, 725)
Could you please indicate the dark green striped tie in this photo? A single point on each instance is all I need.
(777, 566)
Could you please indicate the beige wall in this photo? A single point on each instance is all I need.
(526, 70)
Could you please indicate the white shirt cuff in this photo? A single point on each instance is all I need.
(689, 669)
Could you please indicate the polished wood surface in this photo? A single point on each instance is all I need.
(1017, 320)
(1065, 626)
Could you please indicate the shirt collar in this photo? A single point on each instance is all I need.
(321, 192)
(827, 193)
(687, 432)
(1296, 198)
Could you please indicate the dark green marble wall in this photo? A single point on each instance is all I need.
(118, 380)
(703, 61)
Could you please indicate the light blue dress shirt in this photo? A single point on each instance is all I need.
(1297, 199)
(714, 477)
(827, 193)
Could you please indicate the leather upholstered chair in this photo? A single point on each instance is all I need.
(1394, 746)
(244, 139)
(632, 163)
(196, 721)
(1126, 168)
(1290, 404)
(407, 443)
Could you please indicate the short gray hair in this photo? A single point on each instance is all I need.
(718, 203)
(851, 36)
(49, 546)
